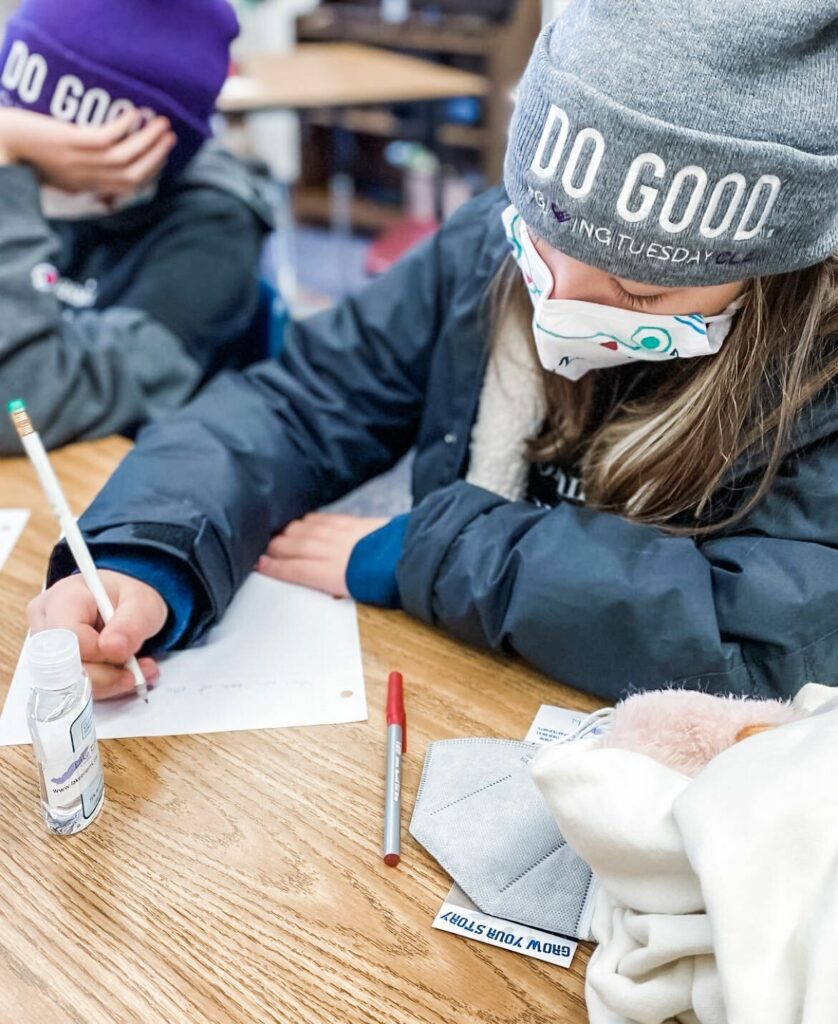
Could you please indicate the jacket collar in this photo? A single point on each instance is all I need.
(818, 421)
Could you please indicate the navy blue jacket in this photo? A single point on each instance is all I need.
(590, 598)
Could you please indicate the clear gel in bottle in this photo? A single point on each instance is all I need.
(59, 713)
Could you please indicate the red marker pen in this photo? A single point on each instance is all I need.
(396, 746)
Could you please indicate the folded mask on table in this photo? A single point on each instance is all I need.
(479, 813)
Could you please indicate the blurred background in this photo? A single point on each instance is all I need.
(376, 120)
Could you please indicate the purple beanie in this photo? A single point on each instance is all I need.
(86, 61)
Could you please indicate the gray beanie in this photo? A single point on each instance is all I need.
(682, 142)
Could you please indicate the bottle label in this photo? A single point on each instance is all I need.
(78, 776)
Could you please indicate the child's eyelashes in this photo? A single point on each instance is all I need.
(636, 301)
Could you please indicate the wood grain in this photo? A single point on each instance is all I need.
(237, 878)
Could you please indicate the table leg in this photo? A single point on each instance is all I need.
(341, 194)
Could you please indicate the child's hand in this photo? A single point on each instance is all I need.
(139, 613)
(314, 551)
(112, 160)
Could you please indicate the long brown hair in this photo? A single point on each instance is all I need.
(661, 457)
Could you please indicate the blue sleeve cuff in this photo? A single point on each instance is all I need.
(169, 580)
(371, 573)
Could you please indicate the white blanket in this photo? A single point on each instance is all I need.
(719, 894)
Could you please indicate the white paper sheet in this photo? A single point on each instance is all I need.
(12, 522)
(281, 656)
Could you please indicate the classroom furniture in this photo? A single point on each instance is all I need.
(270, 26)
(237, 878)
(498, 49)
(336, 84)
(340, 75)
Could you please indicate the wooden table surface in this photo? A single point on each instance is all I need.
(341, 75)
(237, 878)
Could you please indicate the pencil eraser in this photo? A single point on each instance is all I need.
(16, 405)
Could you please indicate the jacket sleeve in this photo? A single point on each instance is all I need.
(81, 377)
(256, 450)
(608, 605)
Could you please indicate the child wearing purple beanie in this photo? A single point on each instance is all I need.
(129, 242)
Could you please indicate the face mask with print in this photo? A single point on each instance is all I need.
(574, 337)
(59, 205)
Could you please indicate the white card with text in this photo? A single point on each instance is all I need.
(460, 916)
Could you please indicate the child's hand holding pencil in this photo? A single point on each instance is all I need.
(111, 613)
(139, 613)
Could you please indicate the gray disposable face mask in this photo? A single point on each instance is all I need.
(479, 813)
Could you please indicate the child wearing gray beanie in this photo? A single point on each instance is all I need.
(619, 374)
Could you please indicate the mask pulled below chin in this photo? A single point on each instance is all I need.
(59, 205)
(573, 337)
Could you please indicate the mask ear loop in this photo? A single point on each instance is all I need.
(728, 312)
(595, 724)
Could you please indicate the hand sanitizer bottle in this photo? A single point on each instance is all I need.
(59, 713)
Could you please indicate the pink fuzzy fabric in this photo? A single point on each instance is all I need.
(684, 729)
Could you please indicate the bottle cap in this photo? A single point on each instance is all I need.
(54, 659)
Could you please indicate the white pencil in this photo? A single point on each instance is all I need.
(34, 448)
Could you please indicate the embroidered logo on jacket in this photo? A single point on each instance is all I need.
(46, 279)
